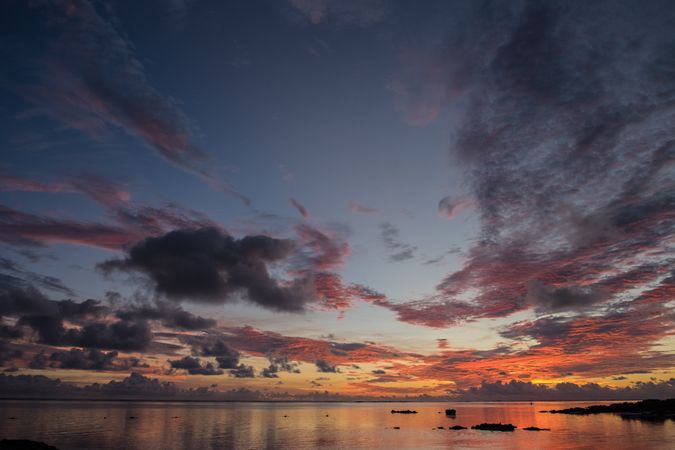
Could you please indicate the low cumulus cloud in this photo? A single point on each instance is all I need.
(210, 266)
(194, 366)
(524, 391)
(324, 366)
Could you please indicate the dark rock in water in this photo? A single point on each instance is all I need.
(403, 411)
(450, 412)
(11, 418)
(536, 429)
(544, 410)
(457, 427)
(397, 428)
(494, 427)
(657, 410)
(132, 417)
(24, 444)
(440, 428)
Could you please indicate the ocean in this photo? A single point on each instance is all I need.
(108, 425)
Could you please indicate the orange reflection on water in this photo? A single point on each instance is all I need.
(156, 425)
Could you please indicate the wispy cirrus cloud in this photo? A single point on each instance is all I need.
(398, 250)
(361, 208)
(304, 212)
(85, 91)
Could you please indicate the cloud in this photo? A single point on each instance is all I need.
(347, 12)
(549, 298)
(362, 209)
(83, 91)
(131, 221)
(170, 316)
(243, 371)
(209, 266)
(43, 281)
(193, 366)
(527, 391)
(568, 159)
(323, 366)
(134, 336)
(299, 207)
(87, 359)
(449, 207)
(398, 251)
(216, 346)
(20, 228)
(319, 250)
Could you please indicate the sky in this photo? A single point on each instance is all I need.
(311, 199)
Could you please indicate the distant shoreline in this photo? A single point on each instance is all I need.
(164, 400)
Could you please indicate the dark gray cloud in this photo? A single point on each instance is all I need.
(397, 250)
(215, 346)
(324, 366)
(131, 336)
(194, 366)
(549, 298)
(279, 363)
(243, 371)
(170, 316)
(210, 266)
(46, 317)
(84, 359)
(8, 352)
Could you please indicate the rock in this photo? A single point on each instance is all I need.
(132, 417)
(656, 410)
(403, 411)
(24, 444)
(536, 429)
(494, 427)
(450, 412)
(440, 428)
(457, 427)
(397, 428)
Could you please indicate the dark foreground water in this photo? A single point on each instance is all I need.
(165, 426)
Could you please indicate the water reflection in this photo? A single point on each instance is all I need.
(108, 425)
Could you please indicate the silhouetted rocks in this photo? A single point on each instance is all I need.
(403, 411)
(645, 410)
(450, 412)
(440, 428)
(494, 427)
(397, 428)
(457, 427)
(536, 429)
(24, 444)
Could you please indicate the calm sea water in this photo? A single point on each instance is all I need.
(165, 426)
